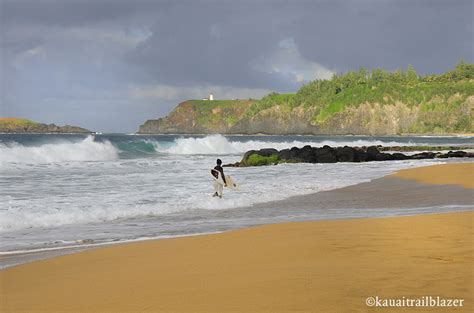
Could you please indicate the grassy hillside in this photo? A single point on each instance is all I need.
(374, 102)
(21, 125)
(15, 123)
(439, 98)
(218, 112)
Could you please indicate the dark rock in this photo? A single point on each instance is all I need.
(360, 155)
(326, 154)
(307, 154)
(456, 154)
(345, 154)
(267, 152)
(400, 156)
(236, 164)
(372, 153)
(423, 155)
(284, 154)
(383, 157)
(294, 153)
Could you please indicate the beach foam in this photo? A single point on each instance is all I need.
(103, 148)
(84, 150)
(218, 145)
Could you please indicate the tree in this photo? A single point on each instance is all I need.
(463, 70)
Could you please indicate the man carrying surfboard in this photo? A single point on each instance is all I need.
(219, 179)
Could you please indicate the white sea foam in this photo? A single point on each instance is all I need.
(218, 144)
(104, 191)
(90, 150)
(84, 150)
(59, 190)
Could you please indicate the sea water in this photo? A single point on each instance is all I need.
(59, 191)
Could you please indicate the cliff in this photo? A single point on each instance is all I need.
(199, 117)
(359, 103)
(16, 125)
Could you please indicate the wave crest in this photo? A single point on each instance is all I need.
(218, 145)
(85, 150)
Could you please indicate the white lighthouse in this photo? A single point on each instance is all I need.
(211, 96)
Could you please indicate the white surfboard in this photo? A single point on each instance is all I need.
(230, 183)
(215, 173)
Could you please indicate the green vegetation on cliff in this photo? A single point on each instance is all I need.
(21, 125)
(14, 123)
(368, 102)
(285, 99)
(439, 97)
(206, 112)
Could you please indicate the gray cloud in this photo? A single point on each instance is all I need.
(109, 65)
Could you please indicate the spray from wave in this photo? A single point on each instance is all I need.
(85, 150)
(218, 144)
(110, 149)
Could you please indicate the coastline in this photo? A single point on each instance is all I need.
(298, 266)
(451, 135)
(396, 197)
(321, 266)
(446, 174)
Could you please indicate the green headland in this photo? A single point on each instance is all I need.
(368, 102)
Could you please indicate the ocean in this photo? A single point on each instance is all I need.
(63, 191)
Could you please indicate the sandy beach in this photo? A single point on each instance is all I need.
(320, 266)
(443, 174)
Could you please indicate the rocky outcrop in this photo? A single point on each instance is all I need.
(25, 126)
(423, 148)
(52, 128)
(232, 117)
(199, 117)
(327, 154)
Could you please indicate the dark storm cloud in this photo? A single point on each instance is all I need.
(73, 12)
(213, 43)
(431, 35)
(76, 61)
(218, 43)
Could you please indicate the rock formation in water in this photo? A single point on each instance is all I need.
(327, 154)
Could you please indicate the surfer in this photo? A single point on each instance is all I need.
(218, 184)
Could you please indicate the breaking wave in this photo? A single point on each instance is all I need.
(109, 149)
(85, 150)
(218, 144)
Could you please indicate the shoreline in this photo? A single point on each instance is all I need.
(454, 135)
(14, 258)
(297, 266)
(306, 266)
(447, 174)
(418, 199)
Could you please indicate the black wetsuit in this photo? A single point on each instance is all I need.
(220, 169)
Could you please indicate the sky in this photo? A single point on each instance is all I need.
(109, 65)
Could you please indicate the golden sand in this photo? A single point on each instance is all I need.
(444, 174)
(325, 266)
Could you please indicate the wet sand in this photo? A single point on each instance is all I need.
(322, 266)
(444, 174)
(400, 196)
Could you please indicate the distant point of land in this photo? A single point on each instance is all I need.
(22, 125)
